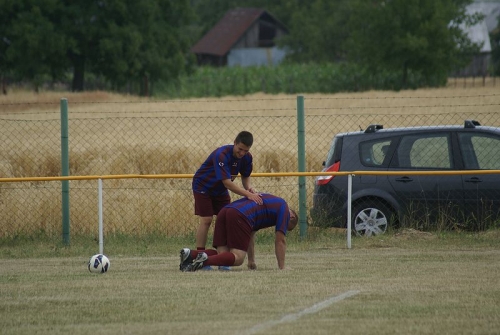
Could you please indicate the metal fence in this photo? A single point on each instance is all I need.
(174, 137)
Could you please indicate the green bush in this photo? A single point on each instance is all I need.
(286, 78)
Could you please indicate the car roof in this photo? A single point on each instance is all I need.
(378, 129)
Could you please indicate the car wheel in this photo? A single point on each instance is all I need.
(370, 218)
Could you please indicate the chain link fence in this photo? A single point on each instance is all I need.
(174, 137)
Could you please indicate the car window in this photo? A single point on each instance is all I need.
(480, 151)
(430, 151)
(373, 153)
(330, 158)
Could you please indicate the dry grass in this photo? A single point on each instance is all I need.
(115, 134)
(28, 101)
(416, 285)
(409, 283)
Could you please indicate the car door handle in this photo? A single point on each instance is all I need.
(404, 179)
(474, 180)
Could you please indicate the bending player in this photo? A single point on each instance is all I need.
(234, 232)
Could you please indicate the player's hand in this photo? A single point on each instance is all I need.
(256, 198)
(252, 266)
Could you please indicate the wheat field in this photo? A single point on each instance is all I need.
(409, 282)
(112, 134)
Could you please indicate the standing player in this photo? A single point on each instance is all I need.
(234, 232)
(215, 177)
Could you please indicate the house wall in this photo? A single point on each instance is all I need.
(255, 47)
(478, 67)
(255, 56)
(204, 59)
(479, 33)
(250, 39)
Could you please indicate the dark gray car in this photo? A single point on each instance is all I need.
(467, 201)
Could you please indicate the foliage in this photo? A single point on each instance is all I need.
(317, 31)
(122, 41)
(495, 49)
(401, 38)
(139, 44)
(287, 78)
(144, 40)
(30, 46)
(422, 36)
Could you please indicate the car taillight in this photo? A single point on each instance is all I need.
(323, 180)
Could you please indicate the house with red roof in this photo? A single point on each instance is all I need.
(243, 37)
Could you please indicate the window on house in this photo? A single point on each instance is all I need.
(267, 33)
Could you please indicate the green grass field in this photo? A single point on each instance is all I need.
(408, 282)
(404, 282)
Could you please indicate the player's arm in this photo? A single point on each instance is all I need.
(251, 252)
(280, 248)
(231, 186)
(245, 181)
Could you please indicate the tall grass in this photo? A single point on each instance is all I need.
(114, 134)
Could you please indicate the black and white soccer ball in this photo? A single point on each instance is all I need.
(99, 264)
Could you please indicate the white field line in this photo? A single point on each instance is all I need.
(292, 317)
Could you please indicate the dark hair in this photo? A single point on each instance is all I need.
(244, 137)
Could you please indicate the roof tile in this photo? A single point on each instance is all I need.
(219, 40)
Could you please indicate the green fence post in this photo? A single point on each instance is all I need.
(301, 132)
(65, 170)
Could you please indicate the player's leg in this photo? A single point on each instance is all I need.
(239, 256)
(219, 203)
(232, 236)
(187, 256)
(204, 209)
(227, 258)
(202, 232)
(202, 260)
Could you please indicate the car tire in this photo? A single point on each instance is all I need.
(371, 218)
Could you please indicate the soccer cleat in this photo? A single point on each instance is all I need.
(198, 262)
(186, 259)
(224, 268)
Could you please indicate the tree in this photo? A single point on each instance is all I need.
(495, 49)
(410, 36)
(123, 41)
(5, 42)
(317, 30)
(32, 48)
(138, 41)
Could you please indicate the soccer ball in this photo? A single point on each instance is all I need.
(98, 264)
